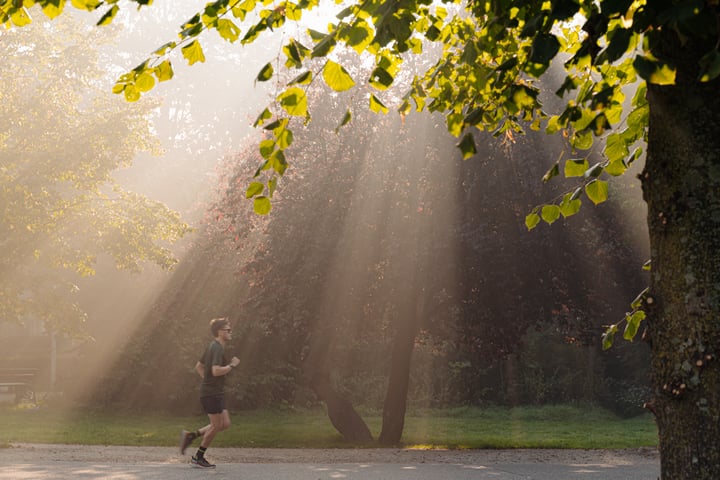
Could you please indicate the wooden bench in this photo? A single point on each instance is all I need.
(17, 383)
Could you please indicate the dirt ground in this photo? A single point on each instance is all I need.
(29, 453)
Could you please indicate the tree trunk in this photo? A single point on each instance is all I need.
(398, 381)
(342, 415)
(681, 185)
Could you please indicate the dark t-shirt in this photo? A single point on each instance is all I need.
(214, 355)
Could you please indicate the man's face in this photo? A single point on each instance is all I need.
(226, 332)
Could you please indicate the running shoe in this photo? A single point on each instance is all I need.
(200, 462)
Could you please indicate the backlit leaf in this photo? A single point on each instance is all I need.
(346, 119)
(294, 101)
(597, 191)
(265, 115)
(145, 82)
(467, 145)
(576, 167)
(609, 336)
(553, 172)
(262, 205)
(266, 73)
(302, 79)
(550, 213)
(633, 324)
(228, 30)
(376, 105)
(569, 205)
(105, 19)
(193, 53)
(337, 77)
(163, 71)
(532, 220)
(254, 189)
(653, 71)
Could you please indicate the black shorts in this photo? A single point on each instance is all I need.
(213, 404)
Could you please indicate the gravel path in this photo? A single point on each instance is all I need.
(30, 453)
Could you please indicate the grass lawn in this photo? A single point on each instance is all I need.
(526, 427)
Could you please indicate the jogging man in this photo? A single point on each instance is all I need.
(212, 368)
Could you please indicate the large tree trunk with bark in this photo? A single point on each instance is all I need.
(396, 394)
(681, 184)
(342, 414)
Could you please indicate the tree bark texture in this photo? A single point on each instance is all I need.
(342, 414)
(396, 394)
(681, 185)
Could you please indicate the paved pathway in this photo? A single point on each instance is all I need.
(303, 471)
(157, 463)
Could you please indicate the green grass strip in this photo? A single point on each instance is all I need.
(493, 428)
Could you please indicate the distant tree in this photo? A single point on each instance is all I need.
(61, 139)
(485, 78)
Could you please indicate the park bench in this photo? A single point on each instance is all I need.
(17, 383)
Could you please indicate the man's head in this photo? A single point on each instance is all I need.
(218, 324)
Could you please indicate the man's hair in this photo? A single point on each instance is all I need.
(217, 324)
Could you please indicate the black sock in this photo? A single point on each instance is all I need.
(197, 434)
(201, 452)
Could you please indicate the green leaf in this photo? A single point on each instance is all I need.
(302, 79)
(710, 64)
(615, 147)
(145, 82)
(272, 185)
(20, 18)
(654, 71)
(104, 20)
(266, 73)
(262, 205)
(324, 46)
(594, 171)
(346, 119)
(569, 205)
(582, 140)
(576, 167)
(193, 53)
(616, 168)
(254, 189)
(532, 220)
(358, 36)
(132, 94)
(381, 79)
(228, 30)
(278, 162)
(163, 49)
(550, 213)
(597, 191)
(455, 123)
(636, 304)
(88, 5)
(609, 336)
(337, 77)
(467, 145)
(284, 138)
(294, 101)
(633, 324)
(265, 115)
(240, 10)
(376, 105)
(267, 147)
(544, 48)
(553, 172)
(163, 71)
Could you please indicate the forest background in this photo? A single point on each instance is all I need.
(370, 234)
